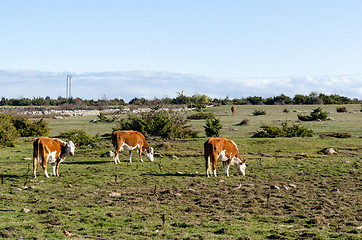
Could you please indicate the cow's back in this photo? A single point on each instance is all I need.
(217, 145)
(129, 137)
(45, 144)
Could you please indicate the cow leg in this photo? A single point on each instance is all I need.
(214, 162)
(44, 165)
(53, 169)
(45, 171)
(35, 162)
(56, 172)
(226, 168)
(130, 156)
(140, 152)
(116, 151)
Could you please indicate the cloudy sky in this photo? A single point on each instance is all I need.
(141, 48)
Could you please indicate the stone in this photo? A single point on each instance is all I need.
(115, 194)
(25, 210)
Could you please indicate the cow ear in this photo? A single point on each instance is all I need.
(244, 160)
(76, 144)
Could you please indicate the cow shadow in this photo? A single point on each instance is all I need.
(86, 162)
(11, 176)
(172, 174)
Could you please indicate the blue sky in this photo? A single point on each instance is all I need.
(244, 44)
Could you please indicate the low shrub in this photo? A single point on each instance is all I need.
(13, 127)
(336, 135)
(201, 115)
(317, 114)
(103, 118)
(8, 133)
(213, 127)
(284, 131)
(26, 128)
(341, 109)
(79, 136)
(259, 112)
(158, 123)
(243, 123)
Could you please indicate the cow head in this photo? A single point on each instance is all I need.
(149, 153)
(69, 148)
(241, 166)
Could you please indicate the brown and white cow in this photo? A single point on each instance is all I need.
(224, 150)
(233, 110)
(130, 140)
(53, 151)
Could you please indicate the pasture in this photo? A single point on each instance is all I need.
(171, 198)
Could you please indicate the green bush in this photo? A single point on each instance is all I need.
(13, 127)
(336, 135)
(79, 136)
(103, 118)
(201, 115)
(284, 131)
(259, 112)
(213, 127)
(317, 114)
(8, 133)
(26, 128)
(158, 123)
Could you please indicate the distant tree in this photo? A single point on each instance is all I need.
(181, 99)
(282, 99)
(3, 101)
(138, 101)
(39, 101)
(255, 100)
(300, 99)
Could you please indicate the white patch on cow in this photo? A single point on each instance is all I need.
(52, 157)
(222, 156)
(128, 147)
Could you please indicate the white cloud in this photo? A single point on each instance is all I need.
(148, 84)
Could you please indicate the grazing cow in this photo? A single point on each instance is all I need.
(53, 151)
(130, 140)
(225, 150)
(233, 110)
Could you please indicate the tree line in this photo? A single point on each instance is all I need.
(196, 100)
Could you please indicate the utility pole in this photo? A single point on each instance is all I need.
(70, 87)
(68, 91)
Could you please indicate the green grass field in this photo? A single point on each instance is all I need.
(171, 198)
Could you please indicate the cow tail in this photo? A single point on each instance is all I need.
(38, 157)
